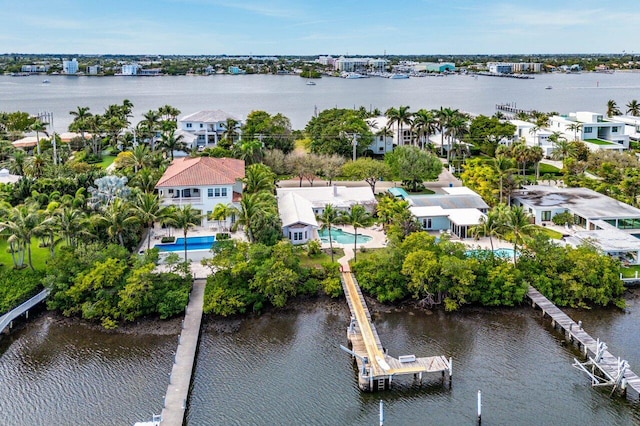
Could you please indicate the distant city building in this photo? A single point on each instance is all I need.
(514, 67)
(130, 69)
(70, 67)
(94, 69)
(360, 65)
(327, 61)
(432, 67)
(35, 68)
(235, 70)
(149, 71)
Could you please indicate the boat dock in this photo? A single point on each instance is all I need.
(511, 109)
(6, 320)
(175, 401)
(603, 368)
(376, 369)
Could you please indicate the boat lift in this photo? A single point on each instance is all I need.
(605, 379)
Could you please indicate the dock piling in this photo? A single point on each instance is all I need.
(479, 407)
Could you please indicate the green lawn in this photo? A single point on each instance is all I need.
(548, 168)
(598, 142)
(554, 235)
(39, 255)
(630, 271)
(107, 160)
(318, 260)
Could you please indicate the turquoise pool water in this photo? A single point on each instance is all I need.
(193, 243)
(501, 252)
(341, 237)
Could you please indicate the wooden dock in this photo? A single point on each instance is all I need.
(175, 401)
(601, 359)
(511, 109)
(376, 369)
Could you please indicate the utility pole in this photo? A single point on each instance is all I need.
(354, 142)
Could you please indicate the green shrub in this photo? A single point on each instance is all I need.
(562, 218)
(313, 248)
(221, 236)
(168, 239)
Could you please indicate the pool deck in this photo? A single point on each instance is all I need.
(378, 237)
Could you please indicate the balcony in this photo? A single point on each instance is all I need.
(182, 200)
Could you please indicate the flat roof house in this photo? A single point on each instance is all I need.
(597, 132)
(203, 183)
(608, 224)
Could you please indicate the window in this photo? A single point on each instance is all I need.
(201, 125)
(189, 125)
(381, 148)
(217, 192)
(588, 129)
(426, 223)
(546, 215)
(614, 129)
(223, 192)
(171, 191)
(210, 192)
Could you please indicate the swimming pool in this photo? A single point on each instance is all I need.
(506, 253)
(193, 243)
(341, 237)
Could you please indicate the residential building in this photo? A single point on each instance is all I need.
(130, 69)
(34, 68)
(533, 136)
(298, 207)
(514, 67)
(454, 212)
(70, 67)
(327, 61)
(360, 65)
(631, 126)
(208, 126)
(432, 67)
(203, 183)
(233, 70)
(610, 225)
(381, 144)
(94, 70)
(498, 68)
(597, 132)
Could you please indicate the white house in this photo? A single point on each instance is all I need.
(597, 132)
(526, 131)
(456, 211)
(298, 207)
(130, 69)
(208, 126)
(203, 183)
(631, 125)
(381, 144)
(70, 67)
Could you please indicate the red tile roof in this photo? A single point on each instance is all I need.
(200, 171)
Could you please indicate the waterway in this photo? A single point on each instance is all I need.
(290, 95)
(287, 369)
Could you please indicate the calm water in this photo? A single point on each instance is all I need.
(291, 96)
(287, 369)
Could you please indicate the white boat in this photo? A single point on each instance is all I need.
(353, 75)
(398, 76)
(548, 87)
(311, 83)
(45, 81)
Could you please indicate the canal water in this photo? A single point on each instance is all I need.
(287, 369)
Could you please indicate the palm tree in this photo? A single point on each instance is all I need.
(79, 124)
(149, 126)
(424, 123)
(139, 157)
(399, 117)
(492, 225)
(444, 116)
(148, 209)
(170, 142)
(633, 108)
(117, 217)
(258, 177)
(221, 212)
(562, 149)
(503, 167)
(22, 223)
(328, 218)
(39, 127)
(358, 217)
(72, 223)
(457, 129)
(230, 131)
(575, 128)
(252, 207)
(536, 154)
(517, 221)
(35, 166)
(185, 218)
(169, 113)
(250, 151)
(612, 108)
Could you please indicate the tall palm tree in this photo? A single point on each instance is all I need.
(250, 151)
(39, 126)
(536, 154)
(457, 129)
(149, 126)
(562, 149)
(612, 108)
(22, 223)
(169, 113)
(399, 117)
(170, 142)
(252, 207)
(328, 218)
(492, 225)
(424, 123)
(230, 131)
(633, 108)
(575, 128)
(139, 157)
(72, 223)
(148, 209)
(503, 167)
(358, 217)
(258, 177)
(517, 221)
(79, 124)
(117, 217)
(444, 116)
(186, 218)
(221, 212)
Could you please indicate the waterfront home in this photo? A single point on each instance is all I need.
(533, 136)
(298, 207)
(610, 225)
(29, 142)
(455, 211)
(596, 131)
(631, 126)
(203, 183)
(6, 177)
(208, 126)
(383, 143)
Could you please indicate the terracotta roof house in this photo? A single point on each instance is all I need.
(203, 183)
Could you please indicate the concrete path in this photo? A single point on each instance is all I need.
(175, 401)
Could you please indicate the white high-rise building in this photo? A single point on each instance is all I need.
(70, 67)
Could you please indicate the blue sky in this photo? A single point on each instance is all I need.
(312, 27)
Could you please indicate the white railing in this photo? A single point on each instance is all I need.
(183, 200)
(6, 319)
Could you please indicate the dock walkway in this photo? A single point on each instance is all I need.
(376, 368)
(175, 402)
(6, 320)
(585, 343)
